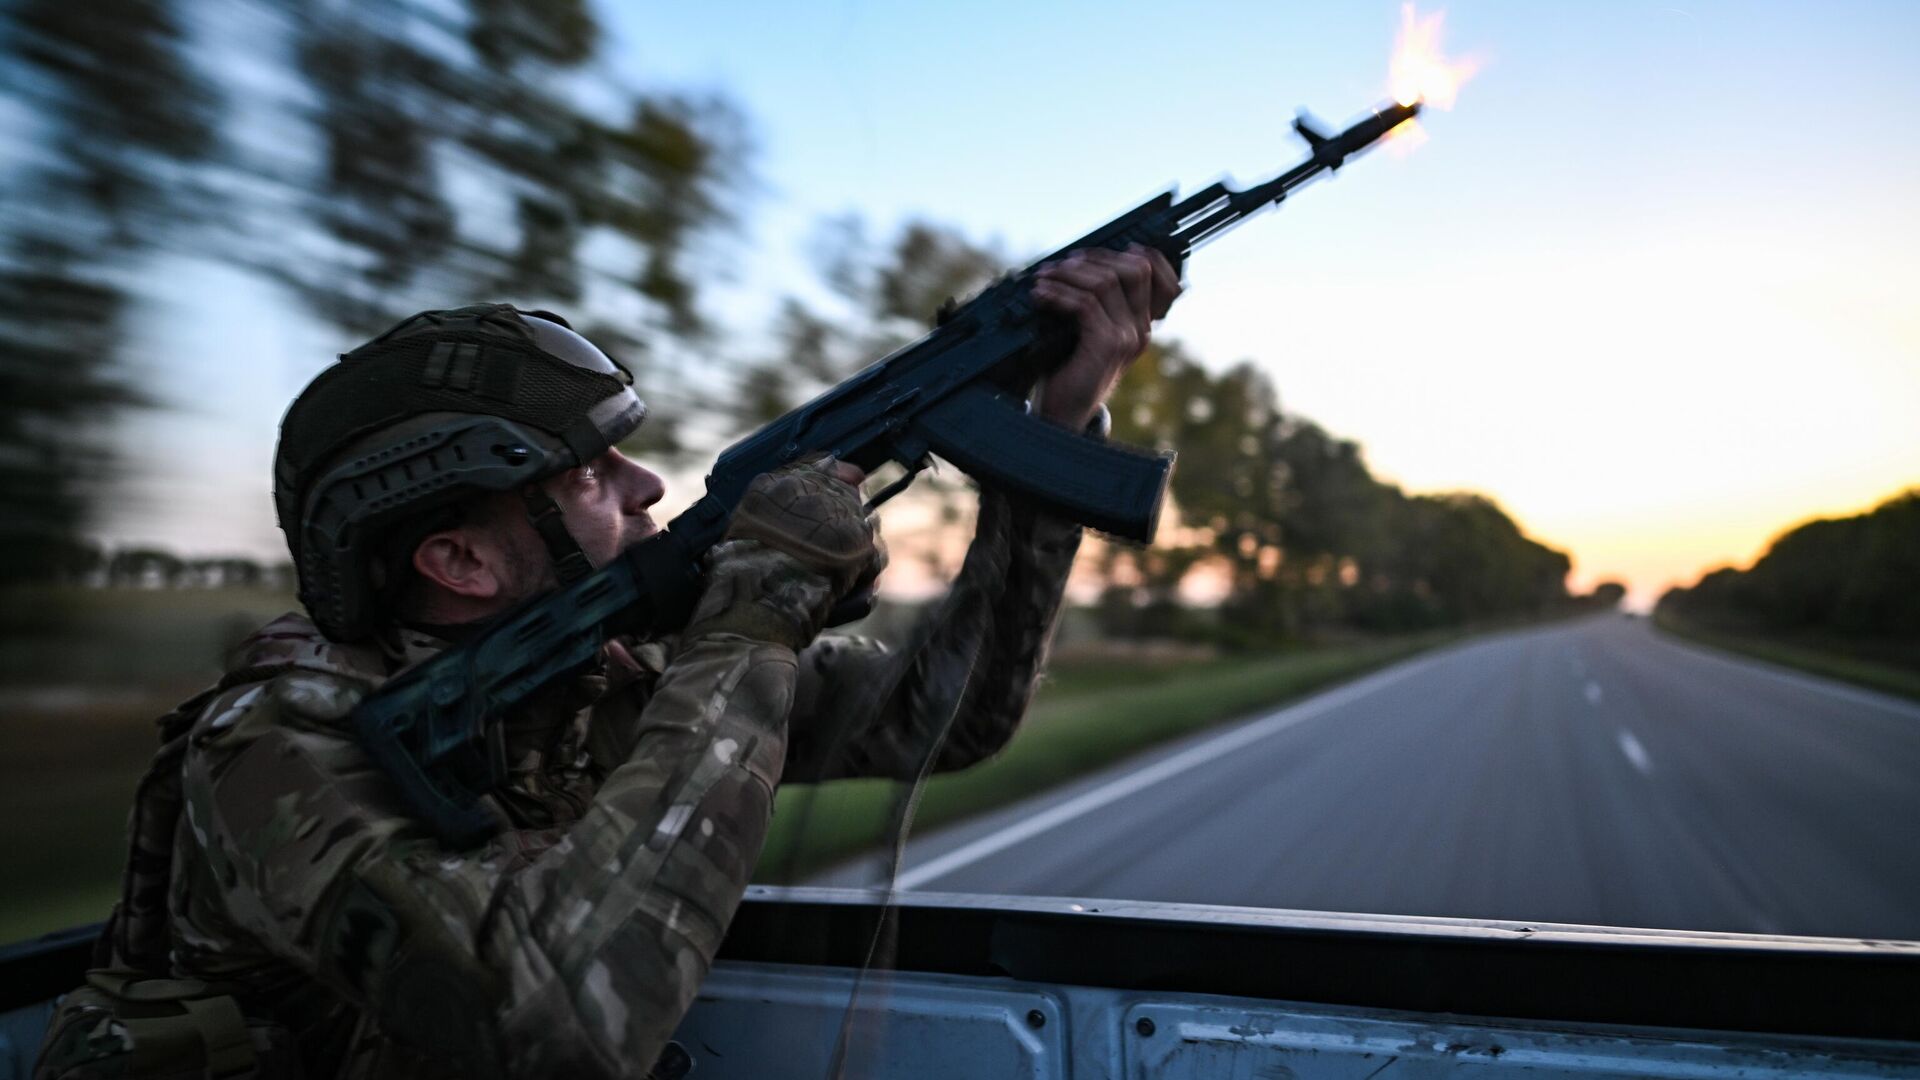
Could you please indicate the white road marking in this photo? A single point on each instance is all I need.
(1636, 753)
(1122, 786)
(1593, 692)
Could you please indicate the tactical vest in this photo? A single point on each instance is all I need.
(131, 1019)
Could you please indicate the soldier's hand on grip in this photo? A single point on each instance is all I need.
(798, 542)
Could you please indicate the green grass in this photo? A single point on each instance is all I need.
(57, 908)
(122, 637)
(1823, 659)
(116, 659)
(65, 788)
(83, 673)
(1086, 717)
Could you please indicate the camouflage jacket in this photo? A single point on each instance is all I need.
(573, 941)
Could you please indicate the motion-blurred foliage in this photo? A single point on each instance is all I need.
(102, 103)
(1308, 539)
(378, 158)
(373, 158)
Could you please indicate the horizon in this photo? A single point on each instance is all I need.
(1610, 291)
(918, 584)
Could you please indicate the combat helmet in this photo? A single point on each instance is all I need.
(383, 446)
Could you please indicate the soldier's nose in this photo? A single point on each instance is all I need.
(645, 488)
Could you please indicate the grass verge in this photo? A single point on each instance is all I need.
(66, 783)
(1861, 672)
(99, 668)
(1091, 717)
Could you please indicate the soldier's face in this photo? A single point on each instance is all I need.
(500, 560)
(606, 502)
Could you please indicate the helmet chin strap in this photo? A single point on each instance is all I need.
(569, 562)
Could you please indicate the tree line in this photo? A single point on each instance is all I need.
(1303, 535)
(376, 158)
(83, 562)
(1852, 577)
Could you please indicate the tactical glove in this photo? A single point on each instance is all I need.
(798, 542)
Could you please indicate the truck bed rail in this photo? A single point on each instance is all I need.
(1072, 989)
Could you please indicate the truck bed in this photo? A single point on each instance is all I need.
(1016, 986)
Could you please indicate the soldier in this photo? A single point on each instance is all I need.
(300, 912)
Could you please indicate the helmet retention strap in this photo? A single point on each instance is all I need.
(569, 562)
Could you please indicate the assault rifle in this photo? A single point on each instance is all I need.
(956, 392)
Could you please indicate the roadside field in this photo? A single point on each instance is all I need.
(124, 639)
(84, 673)
(1815, 657)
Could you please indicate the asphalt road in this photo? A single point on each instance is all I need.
(1590, 772)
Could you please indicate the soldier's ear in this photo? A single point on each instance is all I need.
(464, 561)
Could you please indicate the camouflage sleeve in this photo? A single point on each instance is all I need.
(562, 952)
(969, 667)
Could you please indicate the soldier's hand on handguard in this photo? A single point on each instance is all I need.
(1114, 298)
(798, 542)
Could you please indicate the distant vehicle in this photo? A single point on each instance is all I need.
(986, 986)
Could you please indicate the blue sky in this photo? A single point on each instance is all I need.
(1648, 285)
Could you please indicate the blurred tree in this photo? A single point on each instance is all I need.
(1608, 594)
(415, 102)
(78, 561)
(221, 573)
(887, 295)
(145, 568)
(891, 294)
(1308, 537)
(1856, 577)
(373, 157)
(108, 109)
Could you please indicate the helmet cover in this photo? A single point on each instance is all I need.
(444, 406)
